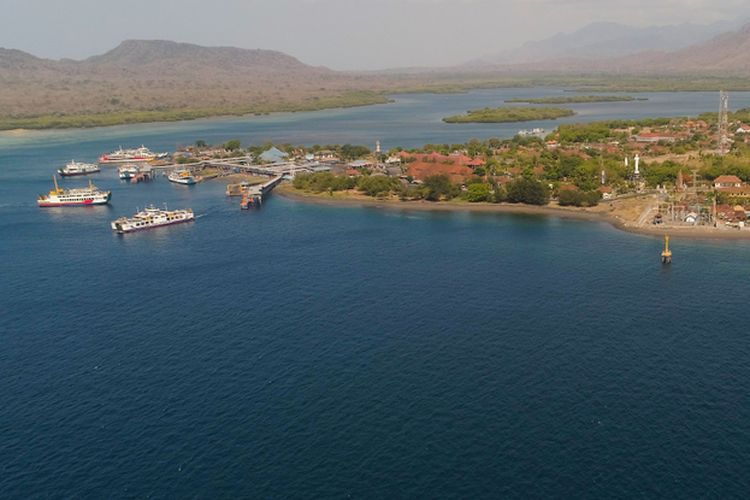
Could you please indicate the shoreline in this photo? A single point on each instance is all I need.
(517, 209)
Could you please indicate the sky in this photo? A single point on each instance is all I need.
(340, 34)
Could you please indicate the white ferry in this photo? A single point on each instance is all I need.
(78, 168)
(128, 171)
(534, 131)
(150, 218)
(182, 177)
(131, 155)
(58, 197)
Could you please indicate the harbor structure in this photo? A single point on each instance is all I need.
(252, 196)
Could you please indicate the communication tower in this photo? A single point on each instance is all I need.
(724, 141)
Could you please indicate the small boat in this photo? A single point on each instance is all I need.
(59, 197)
(182, 177)
(78, 168)
(150, 218)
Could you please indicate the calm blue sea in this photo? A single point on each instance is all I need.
(308, 351)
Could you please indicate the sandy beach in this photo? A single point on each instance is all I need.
(601, 213)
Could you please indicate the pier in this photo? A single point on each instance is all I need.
(253, 195)
(241, 164)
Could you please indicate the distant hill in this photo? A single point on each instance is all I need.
(607, 40)
(150, 55)
(726, 54)
(157, 75)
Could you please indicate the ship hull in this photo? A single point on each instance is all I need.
(84, 203)
(76, 174)
(122, 230)
(103, 200)
(183, 182)
(105, 161)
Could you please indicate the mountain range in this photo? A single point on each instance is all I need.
(685, 50)
(606, 40)
(156, 76)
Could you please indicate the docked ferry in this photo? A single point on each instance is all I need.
(131, 155)
(127, 172)
(182, 177)
(59, 197)
(150, 218)
(78, 168)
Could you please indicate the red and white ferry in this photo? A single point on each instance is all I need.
(59, 197)
(142, 154)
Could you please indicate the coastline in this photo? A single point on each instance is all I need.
(83, 121)
(600, 215)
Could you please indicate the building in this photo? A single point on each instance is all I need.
(273, 155)
(727, 181)
(361, 164)
(654, 137)
(325, 155)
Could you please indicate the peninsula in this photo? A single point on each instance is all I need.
(649, 176)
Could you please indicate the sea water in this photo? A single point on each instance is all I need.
(308, 351)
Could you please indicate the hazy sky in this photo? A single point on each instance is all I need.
(341, 34)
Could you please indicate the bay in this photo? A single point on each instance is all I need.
(314, 351)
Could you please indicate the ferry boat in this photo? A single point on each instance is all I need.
(182, 177)
(59, 197)
(128, 172)
(78, 168)
(150, 218)
(534, 131)
(131, 155)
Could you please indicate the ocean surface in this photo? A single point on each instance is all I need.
(311, 351)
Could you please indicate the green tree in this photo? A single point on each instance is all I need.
(523, 190)
(477, 192)
(352, 152)
(233, 145)
(439, 186)
(375, 185)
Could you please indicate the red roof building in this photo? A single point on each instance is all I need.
(727, 181)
